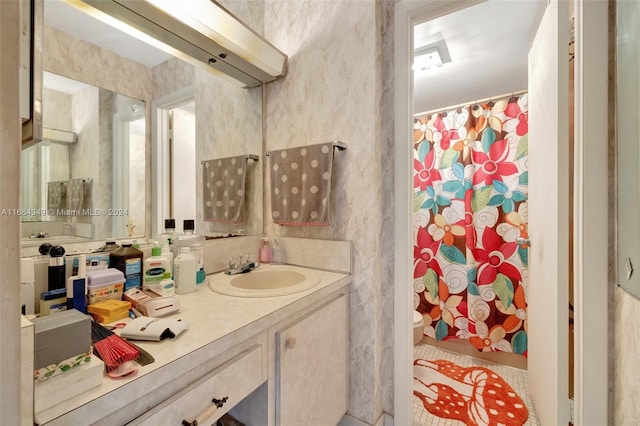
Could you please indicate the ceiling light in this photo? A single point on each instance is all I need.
(427, 60)
(199, 31)
(431, 56)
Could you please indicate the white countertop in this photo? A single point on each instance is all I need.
(212, 318)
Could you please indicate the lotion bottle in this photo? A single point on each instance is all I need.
(154, 268)
(184, 271)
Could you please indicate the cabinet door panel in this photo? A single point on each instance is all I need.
(312, 367)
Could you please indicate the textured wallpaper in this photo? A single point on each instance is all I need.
(333, 90)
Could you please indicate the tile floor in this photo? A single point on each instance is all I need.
(516, 378)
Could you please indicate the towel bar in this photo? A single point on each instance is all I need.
(253, 157)
(340, 146)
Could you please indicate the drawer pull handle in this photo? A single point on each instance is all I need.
(290, 343)
(200, 419)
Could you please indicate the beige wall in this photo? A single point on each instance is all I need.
(9, 224)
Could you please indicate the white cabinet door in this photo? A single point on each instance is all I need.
(312, 367)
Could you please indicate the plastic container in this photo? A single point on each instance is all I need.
(164, 288)
(195, 243)
(265, 251)
(128, 260)
(169, 235)
(105, 284)
(154, 268)
(166, 252)
(57, 272)
(184, 271)
(109, 246)
(278, 255)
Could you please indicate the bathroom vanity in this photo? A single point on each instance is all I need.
(287, 354)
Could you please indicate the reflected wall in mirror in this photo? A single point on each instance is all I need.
(627, 96)
(81, 180)
(228, 119)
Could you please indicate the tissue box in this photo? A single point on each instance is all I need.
(60, 336)
(105, 284)
(72, 383)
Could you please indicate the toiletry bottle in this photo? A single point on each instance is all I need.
(195, 242)
(27, 285)
(265, 251)
(169, 235)
(167, 285)
(166, 252)
(154, 268)
(77, 287)
(184, 271)
(109, 246)
(57, 270)
(128, 260)
(278, 255)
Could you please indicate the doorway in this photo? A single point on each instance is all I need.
(174, 159)
(407, 15)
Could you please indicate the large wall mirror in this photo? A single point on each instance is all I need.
(81, 179)
(627, 95)
(132, 142)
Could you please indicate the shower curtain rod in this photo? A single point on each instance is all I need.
(518, 92)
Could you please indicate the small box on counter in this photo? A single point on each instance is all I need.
(105, 284)
(73, 382)
(60, 336)
(109, 310)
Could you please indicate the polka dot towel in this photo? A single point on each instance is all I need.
(301, 184)
(223, 189)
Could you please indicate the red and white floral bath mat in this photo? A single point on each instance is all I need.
(472, 395)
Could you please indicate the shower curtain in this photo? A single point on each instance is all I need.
(470, 205)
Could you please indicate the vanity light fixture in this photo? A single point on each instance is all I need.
(431, 56)
(199, 31)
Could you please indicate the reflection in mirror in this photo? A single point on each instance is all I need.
(77, 183)
(627, 96)
(227, 121)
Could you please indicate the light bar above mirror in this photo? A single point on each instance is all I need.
(198, 31)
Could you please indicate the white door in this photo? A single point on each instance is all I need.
(549, 216)
(183, 166)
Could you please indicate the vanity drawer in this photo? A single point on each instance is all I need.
(235, 379)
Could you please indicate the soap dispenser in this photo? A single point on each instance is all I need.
(265, 251)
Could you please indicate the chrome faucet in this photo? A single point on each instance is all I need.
(240, 265)
(40, 234)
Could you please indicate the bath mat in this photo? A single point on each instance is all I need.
(472, 395)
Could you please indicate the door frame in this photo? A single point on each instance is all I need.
(160, 153)
(591, 225)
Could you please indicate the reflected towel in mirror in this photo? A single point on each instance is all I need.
(301, 184)
(75, 194)
(223, 189)
(56, 195)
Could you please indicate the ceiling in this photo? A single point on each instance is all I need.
(488, 44)
(66, 18)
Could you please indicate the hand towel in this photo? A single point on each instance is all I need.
(75, 194)
(56, 195)
(301, 184)
(223, 189)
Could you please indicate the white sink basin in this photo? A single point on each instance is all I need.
(265, 281)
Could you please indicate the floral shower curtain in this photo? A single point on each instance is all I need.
(470, 204)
